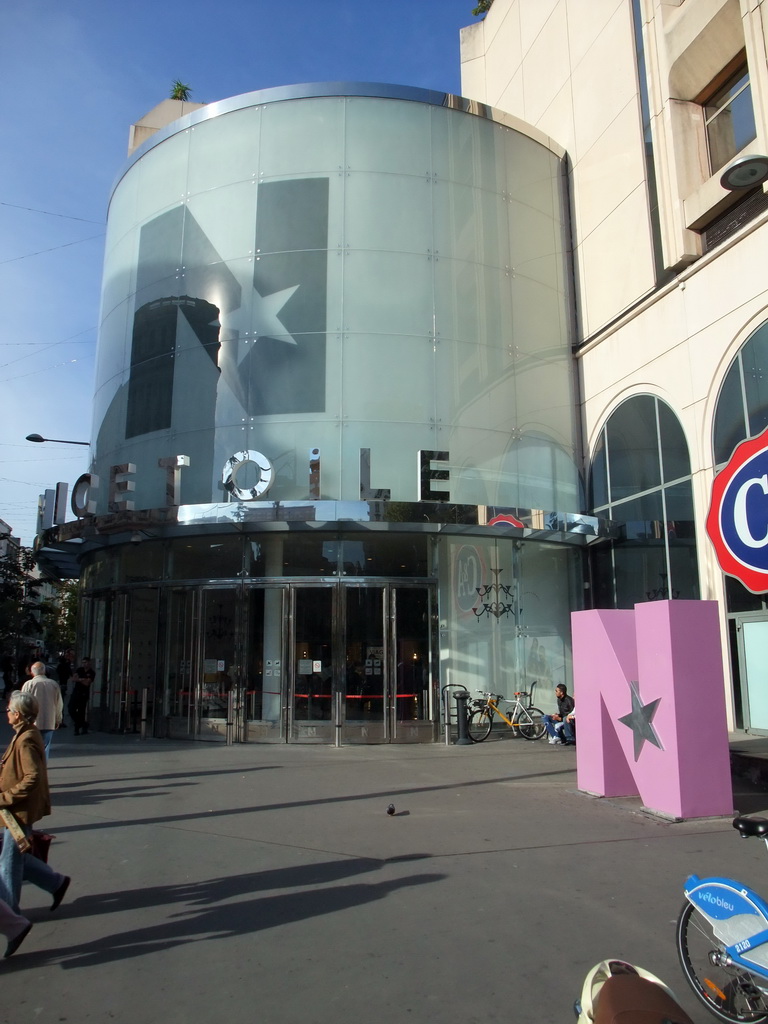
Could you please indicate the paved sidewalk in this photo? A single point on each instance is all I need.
(243, 883)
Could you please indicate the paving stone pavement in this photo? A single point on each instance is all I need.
(215, 883)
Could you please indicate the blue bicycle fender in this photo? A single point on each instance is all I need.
(739, 918)
(723, 898)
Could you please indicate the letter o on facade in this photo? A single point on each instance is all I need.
(233, 465)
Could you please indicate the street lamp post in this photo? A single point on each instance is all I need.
(57, 440)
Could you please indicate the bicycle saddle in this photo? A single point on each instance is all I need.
(751, 827)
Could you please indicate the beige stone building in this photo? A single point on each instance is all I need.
(652, 101)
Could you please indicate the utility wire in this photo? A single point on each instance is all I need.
(50, 344)
(49, 213)
(15, 259)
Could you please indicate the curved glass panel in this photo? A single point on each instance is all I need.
(340, 273)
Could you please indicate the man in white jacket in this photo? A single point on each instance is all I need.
(48, 695)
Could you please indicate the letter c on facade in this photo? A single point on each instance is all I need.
(740, 512)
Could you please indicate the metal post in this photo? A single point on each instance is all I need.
(461, 718)
(144, 694)
(230, 717)
(337, 717)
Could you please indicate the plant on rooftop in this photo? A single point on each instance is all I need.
(180, 91)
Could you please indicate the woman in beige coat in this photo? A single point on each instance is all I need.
(24, 792)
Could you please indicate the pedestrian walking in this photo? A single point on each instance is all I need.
(82, 679)
(47, 693)
(15, 927)
(24, 793)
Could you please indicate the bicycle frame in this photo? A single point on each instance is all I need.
(514, 712)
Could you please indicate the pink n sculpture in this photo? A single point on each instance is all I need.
(650, 707)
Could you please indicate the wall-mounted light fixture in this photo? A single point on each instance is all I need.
(745, 172)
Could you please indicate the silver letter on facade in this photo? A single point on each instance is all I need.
(426, 475)
(173, 466)
(233, 465)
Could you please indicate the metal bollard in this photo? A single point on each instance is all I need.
(461, 718)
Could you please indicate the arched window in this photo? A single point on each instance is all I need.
(742, 412)
(641, 479)
(742, 405)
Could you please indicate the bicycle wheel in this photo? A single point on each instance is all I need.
(531, 723)
(729, 993)
(480, 722)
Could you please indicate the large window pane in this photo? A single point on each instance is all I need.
(729, 426)
(754, 361)
(640, 560)
(633, 447)
(219, 558)
(381, 554)
(674, 449)
(598, 480)
(730, 120)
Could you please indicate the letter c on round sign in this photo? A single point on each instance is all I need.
(740, 521)
(234, 464)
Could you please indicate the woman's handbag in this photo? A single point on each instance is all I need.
(38, 843)
(41, 844)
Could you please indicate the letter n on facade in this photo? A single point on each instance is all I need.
(650, 707)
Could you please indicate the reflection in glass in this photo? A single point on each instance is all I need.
(179, 687)
(386, 554)
(674, 447)
(412, 654)
(729, 427)
(217, 674)
(633, 447)
(598, 479)
(754, 361)
(312, 655)
(310, 555)
(365, 662)
(730, 120)
(211, 559)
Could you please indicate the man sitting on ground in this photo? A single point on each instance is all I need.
(555, 723)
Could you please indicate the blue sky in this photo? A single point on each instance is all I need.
(74, 77)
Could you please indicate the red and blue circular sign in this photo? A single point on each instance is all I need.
(737, 522)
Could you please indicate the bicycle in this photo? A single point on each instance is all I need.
(722, 941)
(524, 719)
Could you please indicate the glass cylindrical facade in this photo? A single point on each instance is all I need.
(331, 274)
(335, 446)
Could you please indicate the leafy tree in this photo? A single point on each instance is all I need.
(19, 605)
(483, 7)
(180, 91)
(60, 616)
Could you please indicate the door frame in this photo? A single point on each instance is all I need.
(746, 618)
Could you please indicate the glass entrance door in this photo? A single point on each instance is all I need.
(366, 680)
(412, 707)
(331, 662)
(361, 664)
(218, 698)
(312, 663)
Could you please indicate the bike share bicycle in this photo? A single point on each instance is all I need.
(722, 941)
